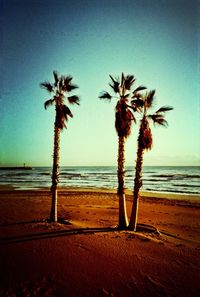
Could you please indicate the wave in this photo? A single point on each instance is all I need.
(70, 174)
(16, 174)
(172, 191)
(178, 175)
(45, 173)
(186, 186)
(170, 179)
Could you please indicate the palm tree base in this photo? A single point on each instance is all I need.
(132, 228)
(123, 218)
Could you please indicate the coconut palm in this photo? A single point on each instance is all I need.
(123, 120)
(59, 89)
(145, 141)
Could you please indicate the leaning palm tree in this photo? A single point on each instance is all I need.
(123, 120)
(143, 104)
(62, 85)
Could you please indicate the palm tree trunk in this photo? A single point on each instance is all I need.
(137, 186)
(55, 174)
(123, 219)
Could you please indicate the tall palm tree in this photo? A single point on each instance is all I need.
(145, 141)
(123, 120)
(59, 89)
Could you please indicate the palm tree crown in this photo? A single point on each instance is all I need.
(124, 112)
(61, 86)
(143, 103)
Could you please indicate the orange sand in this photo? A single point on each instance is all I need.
(87, 256)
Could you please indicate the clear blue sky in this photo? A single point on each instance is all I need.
(156, 40)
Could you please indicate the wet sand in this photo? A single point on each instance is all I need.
(85, 254)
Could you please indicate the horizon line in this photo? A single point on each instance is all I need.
(20, 166)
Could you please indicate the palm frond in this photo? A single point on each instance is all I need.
(149, 98)
(158, 119)
(128, 81)
(56, 78)
(48, 103)
(46, 85)
(138, 89)
(66, 111)
(60, 85)
(137, 104)
(126, 96)
(67, 79)
(122, 79)
(123, 119)
(72, 87)
(74, 99)
(164, 109)
(62, 114)
(115, 84)
(145, 139)
(105, 95)
(69, 87)
(65, 84)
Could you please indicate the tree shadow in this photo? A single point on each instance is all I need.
(54, 234)
(61, 233)
(23, 223)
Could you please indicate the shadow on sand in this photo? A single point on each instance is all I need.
(60, 233)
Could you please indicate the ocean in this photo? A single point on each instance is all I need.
(172, 179)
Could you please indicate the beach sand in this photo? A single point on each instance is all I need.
(85, 254)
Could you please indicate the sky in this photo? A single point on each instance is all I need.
(155, 40)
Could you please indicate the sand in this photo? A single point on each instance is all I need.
(85, 254)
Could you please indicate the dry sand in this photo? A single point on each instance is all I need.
(87, 256)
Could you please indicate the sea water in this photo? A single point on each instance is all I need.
(183, 179)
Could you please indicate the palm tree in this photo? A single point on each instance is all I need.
(61, 86)
(145, 141)
(123, 120)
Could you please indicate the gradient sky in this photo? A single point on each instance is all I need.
(156, 40)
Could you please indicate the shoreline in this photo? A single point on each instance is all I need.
(165, 179)
(193, 198)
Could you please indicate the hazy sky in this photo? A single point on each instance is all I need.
(156, 40)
